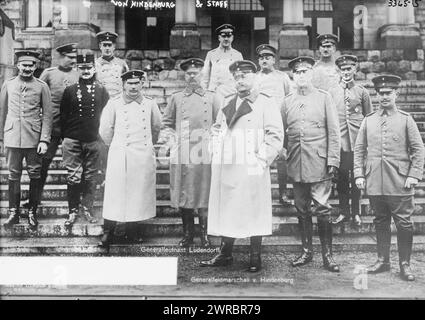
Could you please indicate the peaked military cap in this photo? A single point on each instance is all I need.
(266, 50)
(346, 59)
(85, 59)
(243, 65)
(327, 38)
(133, 74)
(69, 49)
(388, 82)
(301, 62)
(223, 27)
(27, 55)
(192, 62)
(106, 36)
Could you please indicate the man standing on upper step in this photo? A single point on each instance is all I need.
(216, 75)
(311, 119)
(80, 111)
(58, 78)
(276, 84)
(108, 72)
(353, 104)
(388, 163)
(326, 74)
(246, 138)
(108, 67)
(25, 131)
(189, 116)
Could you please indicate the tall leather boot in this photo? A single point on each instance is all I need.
(133, 232)
(108, 233)
(255, 254)
(203, 226)
(73, 204)
(325, 235)
(34, 200)
(14, 203)
(383, 244)
(405, 242)
(344, 205)
(188, 220)
(89, 190)
(305, 225)
(355, 206)
(224, 258)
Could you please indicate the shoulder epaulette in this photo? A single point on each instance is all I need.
(50, 69)
(404, 112)
(41, 81)
(178, 91)
(289, 94)
(322, 91)
(265, 94)
(10, 79)
(369, 114)
(230, 95)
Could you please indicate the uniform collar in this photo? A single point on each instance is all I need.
(109, 59)
(63, 69)
(347, 85)
(189, 90)
(389, 112)
(128, 100)
(267, 73)
(253, 95)
(223, 50)
(305, 91)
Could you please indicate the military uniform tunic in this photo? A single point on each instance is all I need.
(25, 113)
(325, 75)
(190, 113)
(108, 73)
(275, 84)
(58, 78)
(216, 74)
(388, 149)
(311, 123)
(353, 104)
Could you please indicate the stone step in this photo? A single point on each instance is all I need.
(167, 246)
(55, 209)
(166, 227)
(59, 192)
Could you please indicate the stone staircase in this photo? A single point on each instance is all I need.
(165, 229)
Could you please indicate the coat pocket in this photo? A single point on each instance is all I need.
(403, 168)
(368, 169)
(322, 153)
(8, 125)
(36, 126)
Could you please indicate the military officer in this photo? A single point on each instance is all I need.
(130, 125)
(388, 163)
(25, 130)
(216, 75)
(275, 83)
(108, 67)
(190, 114)
(58, 78)
(353, 104)
(246, 138)
(80, 111)
(311, 119)
(326, 74)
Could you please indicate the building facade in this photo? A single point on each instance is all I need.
(385, 38)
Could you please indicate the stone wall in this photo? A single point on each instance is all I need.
(420, 20)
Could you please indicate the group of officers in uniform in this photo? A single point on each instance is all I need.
(224, 130)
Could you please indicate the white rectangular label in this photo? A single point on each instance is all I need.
(64, 271)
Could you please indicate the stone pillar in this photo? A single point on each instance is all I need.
(293, 34)
(74, 25)
(401, 31)
(185, 39)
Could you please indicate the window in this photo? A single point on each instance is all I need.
(317, 5)
(38, 13)
(318, 17)
(246, 5)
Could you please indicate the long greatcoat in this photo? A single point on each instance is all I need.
(129, 128)
(190, 115)
(244, 144)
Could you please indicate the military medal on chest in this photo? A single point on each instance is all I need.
(79, 97)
